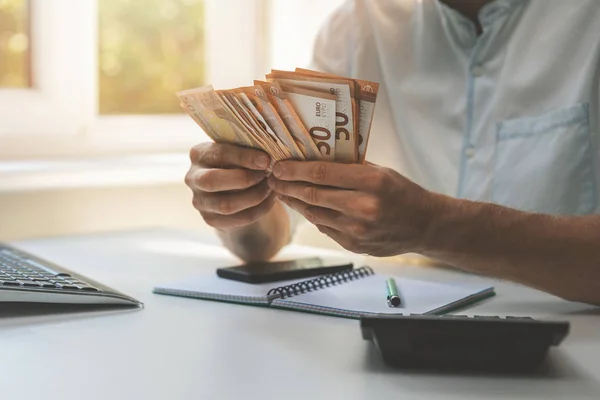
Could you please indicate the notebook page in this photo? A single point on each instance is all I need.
(216, 288)
(369, 295)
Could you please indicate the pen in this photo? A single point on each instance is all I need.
(393, 298)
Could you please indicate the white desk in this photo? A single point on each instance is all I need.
(178, 348)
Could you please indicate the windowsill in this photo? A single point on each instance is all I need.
(148, 169)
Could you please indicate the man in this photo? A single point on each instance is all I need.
(487, 123)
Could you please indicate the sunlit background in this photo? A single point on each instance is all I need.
(140, 66)
(14, 43)
(115, 157)
(147, 51)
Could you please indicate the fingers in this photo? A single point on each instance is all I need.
(360, 205)
(325, 217)
(346, 176)
(221, 155)
(229, 203)
(346, 231)
(229, 185)
(303, 208)
(334, 199)
(242, 218)
(341, 238)
(219, 180)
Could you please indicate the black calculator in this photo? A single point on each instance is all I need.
(459, 342)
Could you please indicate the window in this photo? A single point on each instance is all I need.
(92, 77)
(14, 44)
(140, 67)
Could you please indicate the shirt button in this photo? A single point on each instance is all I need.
(477, 71)
(470, 152)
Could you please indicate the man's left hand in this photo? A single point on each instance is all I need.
(367, 209)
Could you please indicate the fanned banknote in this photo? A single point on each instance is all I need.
(303, 115)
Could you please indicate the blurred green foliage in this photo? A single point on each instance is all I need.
(14, 44)
(149, 49)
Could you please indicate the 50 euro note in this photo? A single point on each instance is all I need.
(255, 98)
(346, 148)
(316, 109)
(213, 116)
(236, 112)
(291, 120)
(225, 120)
(354, 93)
(300, 120)
(265, 130)
(366, 97)
(270, 144)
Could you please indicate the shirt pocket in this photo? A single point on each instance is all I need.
(544, 163)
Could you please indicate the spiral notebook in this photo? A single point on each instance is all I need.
(350, 294)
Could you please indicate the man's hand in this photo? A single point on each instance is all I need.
(367, 209)
(229, 185)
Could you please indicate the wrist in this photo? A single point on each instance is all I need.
(260, 240)
(445, 225)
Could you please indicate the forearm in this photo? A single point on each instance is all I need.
(262, 239)
(560, 255)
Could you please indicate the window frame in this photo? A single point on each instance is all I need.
(64, 96)
(58, 72)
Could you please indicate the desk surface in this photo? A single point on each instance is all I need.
(178, 348)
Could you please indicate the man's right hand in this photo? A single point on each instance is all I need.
(229, 184)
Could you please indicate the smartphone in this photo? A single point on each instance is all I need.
(274, 271)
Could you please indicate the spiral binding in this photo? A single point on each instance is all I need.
(321, 282)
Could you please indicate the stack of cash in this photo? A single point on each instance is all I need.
(300, 115)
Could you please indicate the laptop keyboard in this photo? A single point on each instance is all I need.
(19, 271)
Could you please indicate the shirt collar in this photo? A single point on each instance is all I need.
(463, 28)
(496, 9)
(489, 12)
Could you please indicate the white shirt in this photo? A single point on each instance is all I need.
(510, 117)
